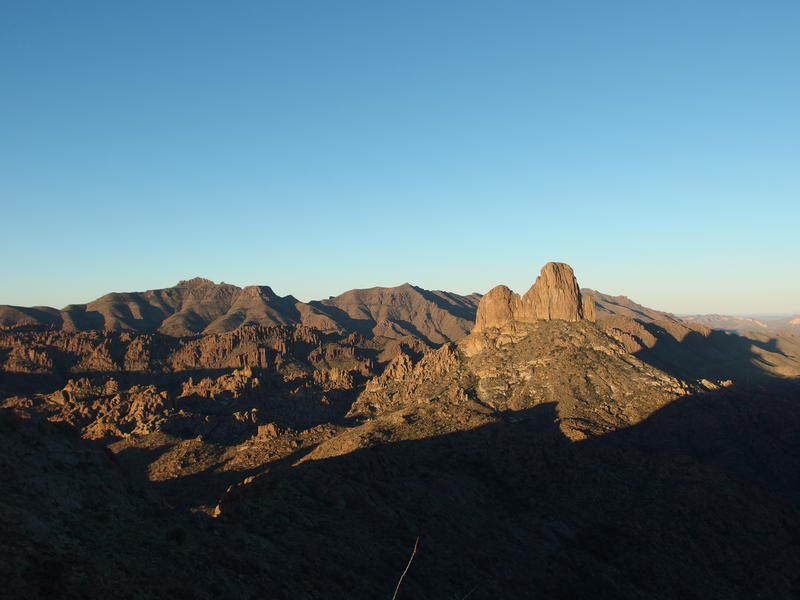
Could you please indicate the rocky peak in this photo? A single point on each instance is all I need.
(259, 291)
(554, 295)
(195, 282)
(498, 306)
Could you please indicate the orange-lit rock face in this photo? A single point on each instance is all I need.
(496, 308)
(554, 295)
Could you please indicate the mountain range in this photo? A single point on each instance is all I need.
(209, 441)
(741, 324)
(200, 306)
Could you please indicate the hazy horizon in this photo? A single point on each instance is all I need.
(456, 146)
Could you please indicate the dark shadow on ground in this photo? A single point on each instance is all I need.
(698, 501)
(717, 356)
(203, 488)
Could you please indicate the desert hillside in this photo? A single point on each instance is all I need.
(567, 444)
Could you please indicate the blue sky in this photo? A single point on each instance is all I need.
(321, 146)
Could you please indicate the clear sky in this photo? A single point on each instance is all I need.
(321, 146)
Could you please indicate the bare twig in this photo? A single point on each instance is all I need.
(399, 581)
(470, 593)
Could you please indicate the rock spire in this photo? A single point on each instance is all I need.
(554, 295)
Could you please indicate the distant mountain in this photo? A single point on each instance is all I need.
(608, 306)
(743, 324)
(625, 307)
(701, 348)
(728, 322)
(404, 310)
(200, 306)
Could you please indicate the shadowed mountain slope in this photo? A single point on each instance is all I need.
(434, 316)
(513, 509)
(623, 306)
(607, 305)
(691, 350)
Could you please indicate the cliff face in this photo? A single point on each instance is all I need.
(554, 295)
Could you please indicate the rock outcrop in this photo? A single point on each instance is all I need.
(554, 295)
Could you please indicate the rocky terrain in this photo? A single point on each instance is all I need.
(572, 444)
